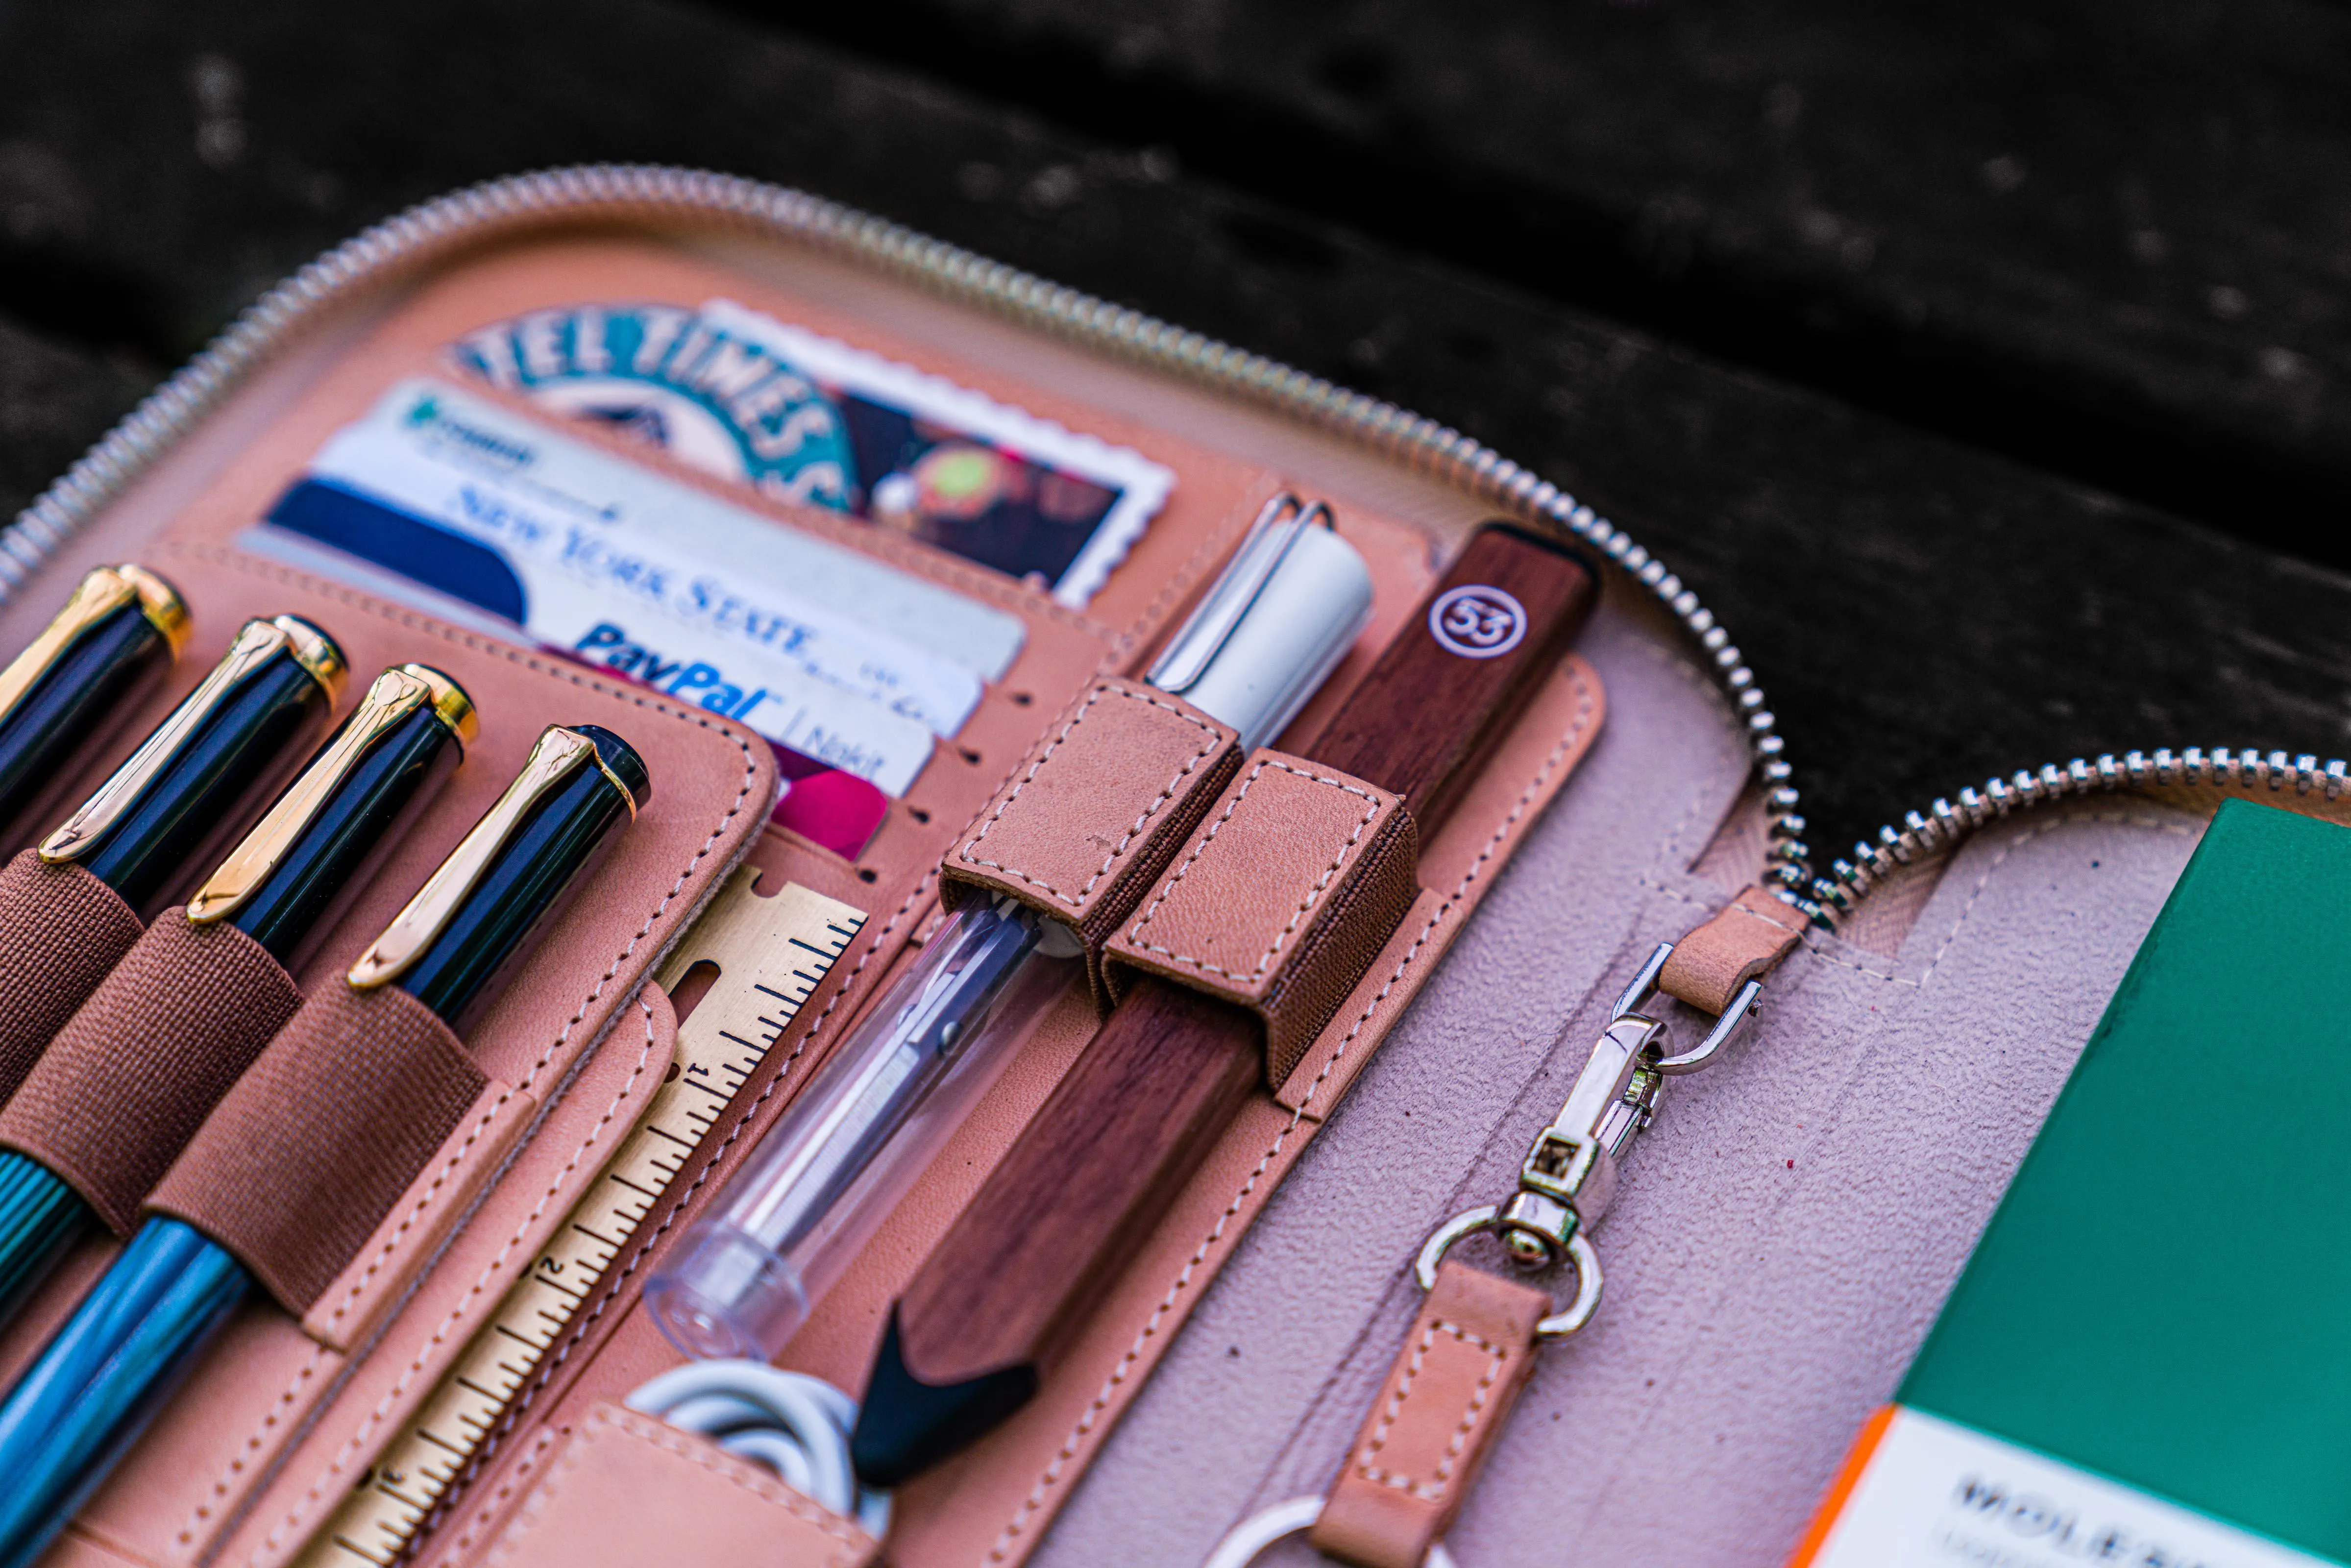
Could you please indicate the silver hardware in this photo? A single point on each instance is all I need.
(1244, 1542)
(1193, 648)
(640, 194)
(1945, 824)
(1735, 1017)
(1578, 1252)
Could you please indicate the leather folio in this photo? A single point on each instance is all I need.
(1776, 1251)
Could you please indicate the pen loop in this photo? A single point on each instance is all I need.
(1195, 648)
(97, 595)
(559, 754)
(395, 695)
(257, 643)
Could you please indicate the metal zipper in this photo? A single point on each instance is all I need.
(640, 192)
(1943, 825)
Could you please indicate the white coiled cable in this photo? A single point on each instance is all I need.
(795, 1424)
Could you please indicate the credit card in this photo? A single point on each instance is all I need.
(847, 665)
(743, 395)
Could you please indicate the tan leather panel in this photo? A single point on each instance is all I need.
(381, 1268)
(1097, 808)
(469, 1274)
(1445, 1401)
(223, 1436)
(283, 1416)
(134, 1073)
(1281, 900)
(1751, 933)
(595, 1503)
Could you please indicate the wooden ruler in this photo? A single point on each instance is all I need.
(772, 955)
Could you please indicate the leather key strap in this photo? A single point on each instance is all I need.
(1445, 1401)
(1753, 932)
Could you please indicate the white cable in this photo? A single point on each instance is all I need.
(795, 1424)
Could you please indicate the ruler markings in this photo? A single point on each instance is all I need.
(756, 942)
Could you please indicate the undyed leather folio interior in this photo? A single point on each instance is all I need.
(1783, 1240)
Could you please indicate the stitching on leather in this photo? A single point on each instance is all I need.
(1578, 726)
(1967, 911)
(463, 1543)
(424, 1202)
(663, 1438)
(1433, 1489)
(204, 1509)
(617, 1278)
(635, 696)
(1307, 900)
(301, 1509)
(1166, 793)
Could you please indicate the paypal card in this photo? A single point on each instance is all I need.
(850, 666)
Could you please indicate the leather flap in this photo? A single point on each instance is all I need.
(1096, 811)
(627, 1488)
(1279, 901)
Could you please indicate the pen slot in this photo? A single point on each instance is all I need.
(61, 929)
(1278, 901)
(135, 1071)
(1095, 811)
(301, 1162)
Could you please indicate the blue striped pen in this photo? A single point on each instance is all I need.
(148, 1321)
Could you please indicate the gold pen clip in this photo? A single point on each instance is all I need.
(559, 754)
(97, 595)
(257, 642)
(396, 693)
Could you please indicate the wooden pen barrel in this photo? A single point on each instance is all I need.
(1088, 1179)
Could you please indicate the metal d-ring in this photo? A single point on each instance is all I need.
(1241, 1544)
(1470, 1221)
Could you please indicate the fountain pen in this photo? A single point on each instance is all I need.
(84, 1401)
(121, 628)
(281, 886)
(73, 907)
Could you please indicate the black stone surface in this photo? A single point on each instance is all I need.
(1847, 312)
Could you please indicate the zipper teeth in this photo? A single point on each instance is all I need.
(640, 191)
(1944, 823)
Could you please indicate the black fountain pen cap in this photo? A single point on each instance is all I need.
(256, 644)
(390, 700)
(560, 756)
(99, 593)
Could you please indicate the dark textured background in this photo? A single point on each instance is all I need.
(1987, 367)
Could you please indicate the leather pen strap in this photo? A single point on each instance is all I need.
(1445, 1399)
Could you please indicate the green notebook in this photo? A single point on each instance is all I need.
(2159, 1315)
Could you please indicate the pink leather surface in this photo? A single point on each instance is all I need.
(1784, 1238)
(1603, 875)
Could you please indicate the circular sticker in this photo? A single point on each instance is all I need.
(1476, 622)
